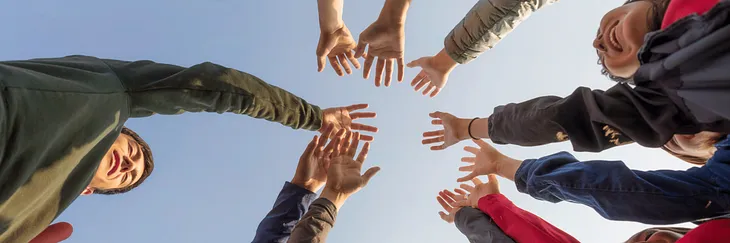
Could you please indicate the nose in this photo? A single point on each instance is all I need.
(127, 165)
(598, 44)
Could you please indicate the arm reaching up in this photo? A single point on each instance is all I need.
(385, 39)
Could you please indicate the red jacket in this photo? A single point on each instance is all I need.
(678, 9)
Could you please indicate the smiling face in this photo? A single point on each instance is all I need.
(655, 235)
(121, 167)
(621, 35)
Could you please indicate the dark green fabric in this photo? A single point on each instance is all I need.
(59, 116)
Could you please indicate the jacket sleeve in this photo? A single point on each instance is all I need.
(316, 223)
(593, 120)
(479, 227)
(619, 193)
(169, 89)
(486, 24)
(519, 224)
(289, 206)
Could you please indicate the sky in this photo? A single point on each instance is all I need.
(216, 176)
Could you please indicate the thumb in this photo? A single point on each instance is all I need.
(54, 233)
(492, 179)
(360, 49)
(369, 174)
(323, 49)
(420, 62)
(468, 177)
(310, 148)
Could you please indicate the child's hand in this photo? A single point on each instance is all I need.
(487, 161)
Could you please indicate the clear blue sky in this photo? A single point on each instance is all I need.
(217, 175)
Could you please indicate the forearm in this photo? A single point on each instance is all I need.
(395, 11)
(479, 227)
(291, 203)
(316, 223)
(330, 14)
(156, 88)
(619, 193)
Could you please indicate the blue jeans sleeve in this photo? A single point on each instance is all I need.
(479, 227)
(619, 193)
(289, 207)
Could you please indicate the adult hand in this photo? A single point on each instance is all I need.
(338, 46)
(384, 39)
(435, 72)
(54, 233)
(344, 178)
(478, 190)
(454, 130)
(344, 117)
(448, 200)
(311, 173)
(487, 160)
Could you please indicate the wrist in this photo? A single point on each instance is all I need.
(330, 15)
(310, 185)
(338, 199)
(443, 62)
(330, 26)
(463, 132)
(507, 167)
(394, 12)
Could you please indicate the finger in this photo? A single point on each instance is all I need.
(366, 138)
(435, 92)
(446, 197)
(368, 65)
(433, 140)
(320, 63)
(428, 89)
(335, 65)
(461, 192)
(461, 203)
(353, 59)
(436, 114)
(54, 233)
(356, 107)
(471, 149)
(388, 71)
(467, 177)
(360, 49)
(467, 168)
(492, 179)
(482, 144)
(476, 181)
(330, 148)
(467, 187)
(445, 217)
(443, 203)
(353, 145)
(450, 194)
(357, 115)
(439, 147)
(418, 78)
(379, 71)
(469, 159)
(363, 153)
(417, 63)
(337, 148)
(343, 61)
(309, 151)
(346, 143)
(400, 69)
(362, 127)
(434, 133)
(422, 83)
(437, 122)
(369, 174)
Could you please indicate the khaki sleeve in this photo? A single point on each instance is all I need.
(316, 223)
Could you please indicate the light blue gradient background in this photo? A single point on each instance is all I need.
(217, 175)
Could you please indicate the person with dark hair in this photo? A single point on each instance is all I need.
(62, 120)
(678, 88)
(500, 217)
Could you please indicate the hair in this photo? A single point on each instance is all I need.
(692, 159)
(149, 165)
(678, 230)
(654, 18)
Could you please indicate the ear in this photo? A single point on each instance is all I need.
(87, 191)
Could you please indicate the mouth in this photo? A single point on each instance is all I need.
(115, 163)
(612, 40)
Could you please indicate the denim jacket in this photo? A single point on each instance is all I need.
(619, 193)
(289, 207)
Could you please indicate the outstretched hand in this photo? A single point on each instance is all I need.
(386, 41)
(487, 160)
(311, 173)
(344, 176)
(343, 118)
(454, 130)
(477, 191)
(54, 233)
(448, 201)
(338, 47)
(434, 73)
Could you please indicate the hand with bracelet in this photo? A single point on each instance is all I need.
(454, 130)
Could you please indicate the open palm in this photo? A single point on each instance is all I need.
(451, 133)
(486, 160)
(338, 47)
